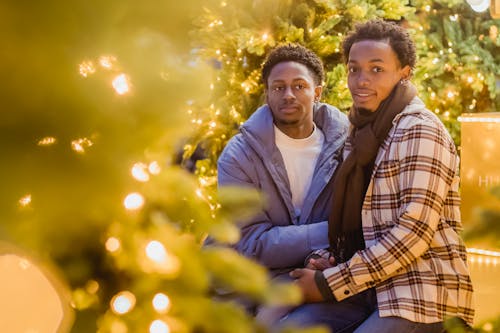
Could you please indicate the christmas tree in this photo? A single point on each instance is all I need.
(458, 65)
(95, 98)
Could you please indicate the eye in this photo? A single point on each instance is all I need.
(299, 86)
(377, 69)
(277, 88)
(352, 69)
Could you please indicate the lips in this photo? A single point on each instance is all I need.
(289, 108)
(362, 96)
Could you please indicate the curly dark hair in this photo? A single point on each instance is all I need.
(296, 53)
(397, 36)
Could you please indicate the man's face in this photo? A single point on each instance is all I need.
(373, 71)
(291, 92)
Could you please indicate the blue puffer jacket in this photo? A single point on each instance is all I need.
(276, 237)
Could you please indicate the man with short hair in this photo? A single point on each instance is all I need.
(288, 149)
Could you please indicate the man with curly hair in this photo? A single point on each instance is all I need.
(288, 149)
(395, 223)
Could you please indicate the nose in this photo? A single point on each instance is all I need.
(288, 94)
(363, 79)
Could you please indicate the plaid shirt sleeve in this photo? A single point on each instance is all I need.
(414, 189)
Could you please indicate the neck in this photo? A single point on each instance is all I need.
(296, 132)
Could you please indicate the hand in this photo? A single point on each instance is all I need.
(305, 280)
(321, 263)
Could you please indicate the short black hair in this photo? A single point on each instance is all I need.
(296, 53)
(398, 37)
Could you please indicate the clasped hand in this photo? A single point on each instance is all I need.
(304, 278)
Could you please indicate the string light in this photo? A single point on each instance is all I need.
(107, 61)
(47, 141)
(161, 259)
(154, 168)
(86, 68)
(133, 201)
(123, 302)
(25, 200)
(121, 84)
(139, 172)
(79, 145)
(113, 244)
(159, 326)
(161, 303)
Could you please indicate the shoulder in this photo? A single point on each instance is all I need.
(331, 120)
(419, 127)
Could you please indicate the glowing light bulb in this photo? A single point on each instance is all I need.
(154, 168)
(121, 84)
(86, 68)
(161, 303)
(123, 302)
(156, 251)
(47, 141)
(159, 326)
(113, 244)
(450, 94)
(107, 61)
(133, 201)
(25, 200)
(139, 172)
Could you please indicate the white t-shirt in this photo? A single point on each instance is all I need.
(300, 157)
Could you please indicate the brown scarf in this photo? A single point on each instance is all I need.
(349, 187)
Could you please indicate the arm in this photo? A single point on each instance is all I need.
(427, 168)
(276, 244)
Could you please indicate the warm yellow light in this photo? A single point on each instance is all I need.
(86, 68)
(121, 84)
(107, 61)
(79, 145)
(123, 302)
(264, 36)
(488, 327)
(159, 326)
(212, 124)
(154, 168)
(92, 286)
(113, 244)
(156, 251)
(139, 172)
(133, 201)
(470, 79)
(47, 141)
(450, 94)
(25, 200)
(161, 303)
(118, 327)
(484, 252)
(435, 60)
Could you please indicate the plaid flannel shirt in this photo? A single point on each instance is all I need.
(414, 256)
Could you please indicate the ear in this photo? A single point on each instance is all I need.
(317, 93)
(406, 72)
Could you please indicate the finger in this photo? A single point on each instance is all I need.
(296, 273)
